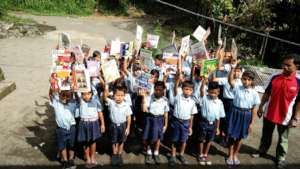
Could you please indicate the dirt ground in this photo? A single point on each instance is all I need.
(26, 120)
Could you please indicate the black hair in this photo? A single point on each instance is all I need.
(188, 83)
(120, 88)
(160, 83)
(249, 74)
(154, 72)
(294, 56)
(96, 53)
(197, 71)
(238, 66)
(159, 57)
(213, 85)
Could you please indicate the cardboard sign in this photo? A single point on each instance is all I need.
(127, 49)
(199, 52)
(115, 47)
(207, 33)
(185, 45)
(65, 40)
(143, 82)
(171, 61)
(79, 56)
(173, 37)
(93, 67)
(199, 33)
(146, 57)
(139, 33)
(81, 80)
(110, 71)
(152, 40)
(219, 35)
(234, 49)
(208, 66)
(61, 59)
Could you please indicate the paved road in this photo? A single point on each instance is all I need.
(27, 125)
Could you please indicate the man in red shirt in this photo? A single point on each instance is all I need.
(280, 105)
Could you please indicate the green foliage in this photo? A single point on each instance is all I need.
(114, 7)
(51, 7)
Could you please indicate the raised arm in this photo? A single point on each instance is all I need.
(231, 80)
(202, 87)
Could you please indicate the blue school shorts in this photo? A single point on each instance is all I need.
(179, 130)
(153, 127)
(117, 133)
(206, 131)
(88, 131)
(65, 138)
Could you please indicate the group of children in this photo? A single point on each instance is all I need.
(224, 102)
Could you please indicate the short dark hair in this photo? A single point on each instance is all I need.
(96, 53)
(238, 66)
(213, 85)
(160, 83)
(120, 88)
(159, 57)
(294, 56)
(188, 83)
(250, 74)
(154, 72)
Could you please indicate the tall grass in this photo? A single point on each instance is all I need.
(51, 7)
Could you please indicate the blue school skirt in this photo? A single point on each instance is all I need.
(239, 122)
(88, 131)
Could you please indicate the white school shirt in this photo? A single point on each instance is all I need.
(90, 110)
(157, 106)
(118, 112)
(228, 90)
(184, 108)
(245, 98)
(64, 113)
(212, 109)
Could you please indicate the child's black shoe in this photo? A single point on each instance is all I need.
(71, 164)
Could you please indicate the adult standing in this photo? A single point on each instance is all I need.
(281, 107)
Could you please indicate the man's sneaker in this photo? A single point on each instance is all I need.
(237, 162)
(258, 154)
(72, 164)
(120, 160)
(207, 162)
(157, 159)
(172, 161)
(229, 162)
(149, 159)
(201, 160)
(114, 160)
(182, 160)
(65, 165)
(281, 164)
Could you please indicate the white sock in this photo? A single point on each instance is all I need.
(149, 152)
(156, 152)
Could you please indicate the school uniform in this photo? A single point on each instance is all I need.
(118, 116)
(184, 109)
(211, 111)
(240, 115)
(228, 97)
(65, 121)
(89, 126)
(154, 119)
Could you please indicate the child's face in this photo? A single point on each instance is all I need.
(237, 73)
(64, 98)
(119, 96)
(214, 93)
(227, 57)
(159, 91)
(157, 62)
(187, 91)
(247, 82)
(87, 96)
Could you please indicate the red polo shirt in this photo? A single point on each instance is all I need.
(284, 93)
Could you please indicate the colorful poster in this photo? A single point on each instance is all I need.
(143, 82)
(171, 61)
(110, 71)
(185, 45)
(81, 80)
(152, 40)
(199, 33)
(208, 66)
(79, 56)
(61, 59)
(93, 67)
(146, 57)
(234, 49)
(199, 52)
